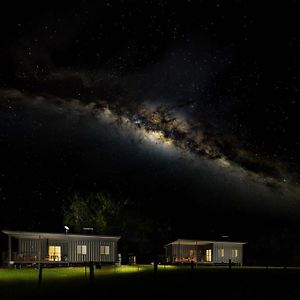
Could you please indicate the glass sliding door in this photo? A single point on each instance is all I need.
(54, 253)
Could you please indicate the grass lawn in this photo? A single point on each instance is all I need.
(139, 282)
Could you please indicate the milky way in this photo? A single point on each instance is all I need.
(161, 124)
(164, 102)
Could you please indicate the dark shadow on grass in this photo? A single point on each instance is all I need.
(209, 283)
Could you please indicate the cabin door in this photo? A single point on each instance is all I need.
(54, 253)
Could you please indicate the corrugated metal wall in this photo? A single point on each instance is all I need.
(174, 251)
(229, 253)
(28, 249)
(92, 250)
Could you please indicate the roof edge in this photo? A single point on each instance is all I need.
(13, 232)
(203, 241)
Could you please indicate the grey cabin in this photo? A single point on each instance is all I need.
(59, 248)
(206, 252)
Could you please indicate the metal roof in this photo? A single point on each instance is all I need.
(59, 236)
(201, 242)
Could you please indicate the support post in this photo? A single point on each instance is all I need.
(9, 250)
(192, 265)
(92, 275)
(40, 267)
(155, 266)
(40, 275)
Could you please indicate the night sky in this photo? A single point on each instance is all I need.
(189, 109)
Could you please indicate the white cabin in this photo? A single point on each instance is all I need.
(207, 252)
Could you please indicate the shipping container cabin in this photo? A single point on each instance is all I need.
(59, 248)
(205, 252)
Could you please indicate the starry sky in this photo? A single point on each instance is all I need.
(189, 108)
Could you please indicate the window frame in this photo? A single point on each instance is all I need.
(104, 250)
(235, 253)
(82, 251)
(221, 252)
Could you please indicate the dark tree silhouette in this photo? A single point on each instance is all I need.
(99, 211)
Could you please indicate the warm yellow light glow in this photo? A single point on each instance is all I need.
(158, 136)
(235, 253)
(54, 253)
(221, 252)
(208, 255)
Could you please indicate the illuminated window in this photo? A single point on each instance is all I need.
(104, 250)
(221, 252)
(208, 255)
(81, 249)
(54, 253)
(235, 253)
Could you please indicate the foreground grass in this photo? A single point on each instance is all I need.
(139, 282)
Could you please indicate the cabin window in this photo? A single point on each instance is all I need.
(208, 255)
(235, 253)
(104, 250)
(54, 253)
(81, 249)
(221, 252)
